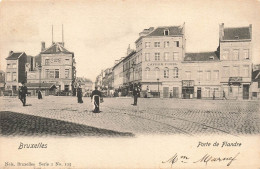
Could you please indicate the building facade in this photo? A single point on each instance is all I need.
(15, 70)
(55, 66)
(201, 75)
(236, 61)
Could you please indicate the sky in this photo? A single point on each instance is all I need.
(99, 32)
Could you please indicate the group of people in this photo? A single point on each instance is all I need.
(96, 96)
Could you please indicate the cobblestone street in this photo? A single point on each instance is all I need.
(63, 116)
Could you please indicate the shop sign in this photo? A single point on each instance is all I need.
(188, 83)
(235, 79)
(161, 64)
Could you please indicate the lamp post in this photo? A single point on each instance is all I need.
(158, 87)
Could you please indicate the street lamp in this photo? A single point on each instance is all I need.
(158, 87)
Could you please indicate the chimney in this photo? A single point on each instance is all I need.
(10, 53)
(221, 31)
(250, 30)
(43, 46)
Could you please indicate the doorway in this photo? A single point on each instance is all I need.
(198, 93)
(245, 92)
(165, 92)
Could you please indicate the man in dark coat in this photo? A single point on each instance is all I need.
(96, 97)
(39, 94)
(79, 94)
(23, 92)
(136, 93)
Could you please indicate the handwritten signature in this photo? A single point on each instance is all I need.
(205, 159)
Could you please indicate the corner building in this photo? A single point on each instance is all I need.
(236, 61)
(159, 54)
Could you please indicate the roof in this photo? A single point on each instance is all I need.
(202, 56)
(256, 75)
(14, 56)
(56, 48)
(241, 33)
(43, 85)
(173, 30)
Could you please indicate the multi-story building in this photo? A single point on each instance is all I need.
(15, 70)
(54, 65)
(118, 78)
(201, 75)
(255, 84)
(159, 55)
(236, 61)
(2, 82)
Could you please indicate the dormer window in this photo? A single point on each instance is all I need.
(211, 58)
(166, 32)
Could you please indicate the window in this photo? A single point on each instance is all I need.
(225, 55)
(47, 73)
(147, 44)
(235, 54)
(47, 61)
(200, 75)
(147, 71)
(175, 72)
(208, 74)
(166, 56)
(14, 76)
(67, 71)
(188, 74)
(246, 70)
(246, 53)
(156, 44)
(157, 71)
(258, 84)
(157, 56)
(9, 65)
(226, 71)
(51, 74)
(166, 44)
(166, 32)
(177, 43)
(8, 77)
(147, 56)
(235, 71)
(166, 73)
(175, 56)
(216, 74)
(14, 65)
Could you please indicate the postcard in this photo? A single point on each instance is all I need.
(129, 84)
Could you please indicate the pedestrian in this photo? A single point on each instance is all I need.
(136, 93)
(39, 94)
(23, 92)
(224, 95)
(79, 94)
(96, 97)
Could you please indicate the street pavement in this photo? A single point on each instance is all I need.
(63, 116)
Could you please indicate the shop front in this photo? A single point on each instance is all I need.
(187, 89)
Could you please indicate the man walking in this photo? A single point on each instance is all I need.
(224, 95)
(23, 92)
(136, 93)
(96, 97)
(79, 94)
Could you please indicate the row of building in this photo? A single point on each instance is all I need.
(162, 67)
(53, 71)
